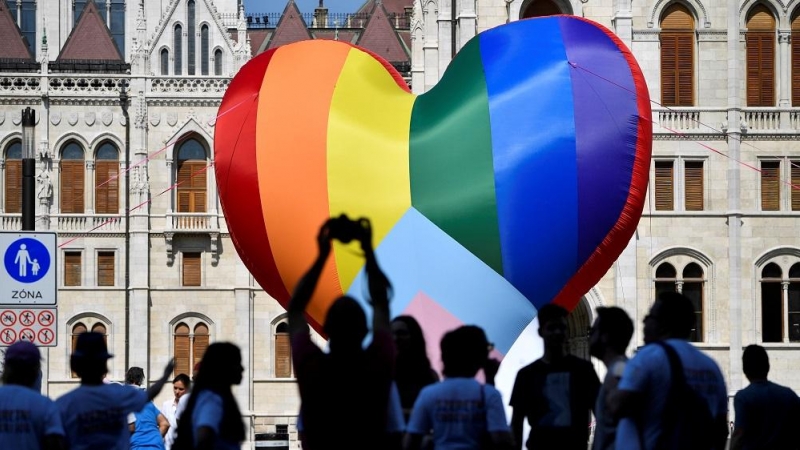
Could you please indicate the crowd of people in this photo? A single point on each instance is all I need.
(668, 396)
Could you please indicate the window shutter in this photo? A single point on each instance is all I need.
(191, 190)
(796, 61)
(677, 68)
(760, 68)
(795, 174)
(664, 186)
(201, 339)
(283, 356)
(770, 186)
(107, 191)
(76, 331)
(693, 184)
(72, 269)
(105, 269)
(191, 269)
(182, 354)
(13, 186)
(669, 60)
(72, 187)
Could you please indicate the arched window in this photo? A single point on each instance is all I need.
(177, 45)
(283, 351)
(691, 283)
(204, 53)
(795, 42)
(72, 175)
(85, 324)
(541, 8)
(164, 61)
(218, 62)
(13, 178)
(780, 303)
(106, 179)
(760, 43)
(25, 11)
(190, 345)
(190, 31)
(677, 56)
(191, 176)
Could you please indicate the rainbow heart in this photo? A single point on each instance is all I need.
(515, 182)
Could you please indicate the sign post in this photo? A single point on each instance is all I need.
(28, 288)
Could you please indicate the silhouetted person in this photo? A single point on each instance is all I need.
(147, 426)
(349, 377)
(212, 419)
(413, 369)
(556, 393)
(646, 383)
(463, 413)
(608, 339)
(766, 413)
(28, 420)
(180, 388)
(95, 414)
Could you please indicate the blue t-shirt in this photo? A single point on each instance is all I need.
(146, 433)
(26, 417)
(95, 416)
(459, 411)
(208, 413)
(648, 373)
(767, 413)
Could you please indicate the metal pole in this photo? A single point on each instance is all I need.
(28, 170)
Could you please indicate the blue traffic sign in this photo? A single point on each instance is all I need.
(26, 260)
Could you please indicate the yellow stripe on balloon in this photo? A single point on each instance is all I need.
(368, 149)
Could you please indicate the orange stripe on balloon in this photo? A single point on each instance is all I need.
(291, 138)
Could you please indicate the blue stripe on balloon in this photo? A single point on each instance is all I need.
(533, 137)
(604, 174)
(417, 256)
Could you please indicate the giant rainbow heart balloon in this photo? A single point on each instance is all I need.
(515, 182)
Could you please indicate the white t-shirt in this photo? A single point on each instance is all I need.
(96, 416)
(26, 416)
(168, 409)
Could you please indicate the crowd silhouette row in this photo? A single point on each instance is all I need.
(668, 396)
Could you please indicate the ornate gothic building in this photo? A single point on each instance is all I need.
(721, 221)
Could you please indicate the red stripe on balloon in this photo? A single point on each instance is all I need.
(235, 144)
(291, 136)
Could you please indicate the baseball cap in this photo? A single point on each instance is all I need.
(23, 351)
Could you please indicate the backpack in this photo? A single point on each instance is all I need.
(687, 421)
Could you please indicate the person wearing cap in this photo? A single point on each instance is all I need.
(95, 413)
(28, 420)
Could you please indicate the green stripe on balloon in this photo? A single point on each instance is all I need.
(452, 172)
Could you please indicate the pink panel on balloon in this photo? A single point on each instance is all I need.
(435, 322)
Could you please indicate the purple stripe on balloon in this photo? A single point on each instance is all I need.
(604, 177)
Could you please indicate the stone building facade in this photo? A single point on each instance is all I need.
(721, 219)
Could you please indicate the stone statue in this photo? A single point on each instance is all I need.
(45, 185)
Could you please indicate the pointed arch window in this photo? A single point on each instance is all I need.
(177, 45)
(72, 178)
(190, 30)
(541, 8)
(677, 56)
(204, 52)
(760, 43)
(189, 345)
(191, 176)
(283, 351)
(218, 62)
(690, 283)
(107, 179)
(164, 61)
(13, 178)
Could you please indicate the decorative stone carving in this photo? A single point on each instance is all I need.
(170, 254)
(212, 120)
(89, 118)
(45, 188)
(44, 150)
(55, 118)
(16, 117)
(72, 118)
(214, 248)
(172, 119)
(106, 117)
(122, 120)
(155, 119)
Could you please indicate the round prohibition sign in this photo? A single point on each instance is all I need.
(8, 336)
(26, 334)
(27, 318)
(46, 336)
(8, 318)
(45, 318)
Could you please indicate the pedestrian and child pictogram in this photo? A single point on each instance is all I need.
(28, 273)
